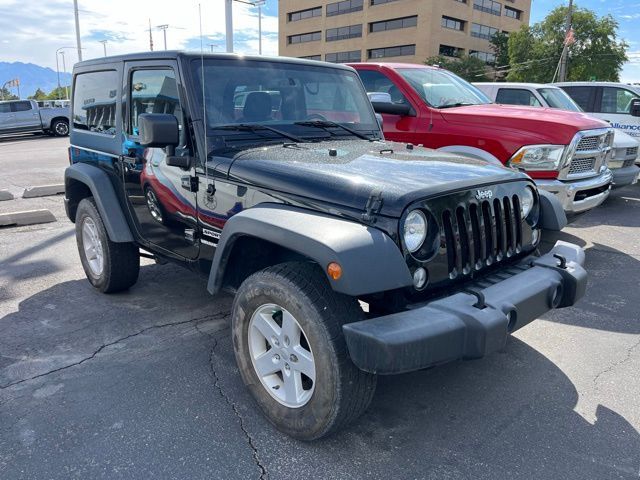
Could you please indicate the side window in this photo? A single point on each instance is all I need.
(5, 107)
(517, 96)
(21, 106)
(616, 100)
(153, 91)
(94, 102)
(581, 95)
(378, 82)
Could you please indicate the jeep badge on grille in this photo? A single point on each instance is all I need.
(484, 194)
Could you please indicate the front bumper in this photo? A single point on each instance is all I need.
(625, 176)
(468, 325)
(579, 195)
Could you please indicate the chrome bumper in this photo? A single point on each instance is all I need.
(579, 195)
(625, 176)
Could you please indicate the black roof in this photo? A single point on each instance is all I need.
(175, 54)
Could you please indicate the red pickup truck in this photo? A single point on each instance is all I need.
(566, 153)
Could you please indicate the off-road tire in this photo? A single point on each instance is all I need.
(341, 392)
(121, 263)
(60, 128)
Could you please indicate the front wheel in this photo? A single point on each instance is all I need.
(287, 334)
(109, 266)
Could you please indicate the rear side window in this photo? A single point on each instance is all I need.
(581, 95)
(21, 106)
(517, 96)
(94, 102)
(616, 100)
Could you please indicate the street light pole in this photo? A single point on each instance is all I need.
(79, 45)
(58, 51)
(228, 17)
(259, 4)
(64, 69)
(164, 32)
(104, 46)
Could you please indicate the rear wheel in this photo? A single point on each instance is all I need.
(109, 266)
(287, 333)
(60, 128)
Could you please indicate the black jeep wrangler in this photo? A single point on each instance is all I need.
(349, 256)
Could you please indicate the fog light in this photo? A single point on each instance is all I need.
(419, 278)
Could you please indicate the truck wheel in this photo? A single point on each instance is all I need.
(60, 128)
(109, 266)
(289, 347)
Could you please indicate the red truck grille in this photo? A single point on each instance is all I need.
(480, 234)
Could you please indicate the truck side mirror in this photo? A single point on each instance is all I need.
(159, 130)
(635, 107)
(382, 103)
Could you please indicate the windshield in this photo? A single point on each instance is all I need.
(558, 98)
(243, 98)
(441, 89)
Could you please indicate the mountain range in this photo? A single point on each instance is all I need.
(31, 77)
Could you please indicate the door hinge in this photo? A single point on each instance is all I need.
(190, 235)
(190, 183)
(373, 207)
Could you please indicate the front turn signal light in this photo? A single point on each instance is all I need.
(334, 270)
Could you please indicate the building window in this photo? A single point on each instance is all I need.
(344, 57)
(304, 14)
(512, 12)
(401, 51)
(487, 57)
(312, 57)
(304, 37)
(453, 23)
(460, 1)
(449, 51)
(482, 31)
(346, 6)
(381, 2)
(393, 24)
(343, 33)
(488, 6)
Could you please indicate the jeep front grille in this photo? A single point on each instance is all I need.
(478, 234)
(582, 165)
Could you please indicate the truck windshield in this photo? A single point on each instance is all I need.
(442, 89)
(300, 100)
(558, 98)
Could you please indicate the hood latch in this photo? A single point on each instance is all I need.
(373, 207)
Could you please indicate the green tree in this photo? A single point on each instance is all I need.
(500, 48)
(5, 94)
(534, 52)
(470, 68)
(39, 95)
(58, 93)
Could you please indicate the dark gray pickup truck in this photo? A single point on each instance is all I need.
(25, 116)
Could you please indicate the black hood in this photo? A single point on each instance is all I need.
(360, 168)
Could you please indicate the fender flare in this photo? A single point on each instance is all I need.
(553, 216)
(371, 262)
(471, 152)
(97, 181)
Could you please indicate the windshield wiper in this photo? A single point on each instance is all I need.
(253, 127)
(325, 124)
(457, 104)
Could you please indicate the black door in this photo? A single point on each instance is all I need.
(158, 195)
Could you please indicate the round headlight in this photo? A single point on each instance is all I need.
(527, 199)
(415, 230)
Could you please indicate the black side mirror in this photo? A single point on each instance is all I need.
(159, 130)
(393, 108)
(635, 107)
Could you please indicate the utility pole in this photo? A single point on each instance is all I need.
(164, 32)
(228, 16)
(562, 70)
(259, 4)
(150, 37)
(78, 44)
(104, 46)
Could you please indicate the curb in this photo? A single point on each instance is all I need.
(29, 217)
(43, 191)
(5, 195)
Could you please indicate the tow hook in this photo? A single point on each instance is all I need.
(563, 260)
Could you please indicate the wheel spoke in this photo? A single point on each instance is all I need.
(293, 387)
(266, 326)
(265, 364)
(290, 328)
(304, 363)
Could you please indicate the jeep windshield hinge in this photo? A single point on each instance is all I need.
(190, 183)
(373, 207)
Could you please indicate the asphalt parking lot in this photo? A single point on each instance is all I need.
(143, 384)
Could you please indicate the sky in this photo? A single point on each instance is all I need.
(32, 30)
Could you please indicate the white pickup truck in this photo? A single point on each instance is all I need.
(25, 116)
